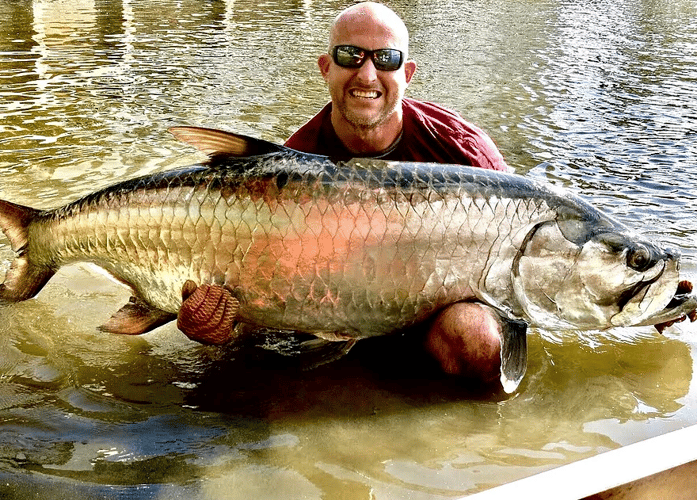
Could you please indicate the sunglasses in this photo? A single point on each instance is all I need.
(350, 56)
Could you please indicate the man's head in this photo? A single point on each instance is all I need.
(366, 97)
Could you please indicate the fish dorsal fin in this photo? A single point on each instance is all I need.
(219, 143)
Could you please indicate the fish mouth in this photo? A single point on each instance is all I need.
(682, 304)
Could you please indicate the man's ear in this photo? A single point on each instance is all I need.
(324, 62)
(409, 70)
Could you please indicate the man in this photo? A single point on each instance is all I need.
(367, 71)
(369, 116)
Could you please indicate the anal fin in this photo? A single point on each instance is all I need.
(136, 317)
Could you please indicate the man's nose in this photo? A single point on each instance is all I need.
(368, 72)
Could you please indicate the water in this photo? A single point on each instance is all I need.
(598, 96)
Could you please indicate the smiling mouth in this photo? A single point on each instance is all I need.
(365, 94)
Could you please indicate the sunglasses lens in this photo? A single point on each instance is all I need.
(348, 56)
(387, 59)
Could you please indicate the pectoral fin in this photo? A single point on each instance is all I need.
(514, 353)
(136, 317)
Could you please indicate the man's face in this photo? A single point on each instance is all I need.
(366, 97)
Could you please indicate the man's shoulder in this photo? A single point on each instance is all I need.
(439, 121)
(430, 110)
(448, 137)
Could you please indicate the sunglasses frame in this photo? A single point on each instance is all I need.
(372, 54)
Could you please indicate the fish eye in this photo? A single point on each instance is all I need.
(639, 259)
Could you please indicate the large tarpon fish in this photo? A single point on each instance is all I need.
(349, 250)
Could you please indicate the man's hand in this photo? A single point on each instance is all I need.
(208, 313)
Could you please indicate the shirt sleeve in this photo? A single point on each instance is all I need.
(442, 135)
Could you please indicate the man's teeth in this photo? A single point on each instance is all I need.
(368, 94)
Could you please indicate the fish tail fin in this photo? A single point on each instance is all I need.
(24, 279)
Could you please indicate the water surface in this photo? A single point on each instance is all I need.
(596, 96)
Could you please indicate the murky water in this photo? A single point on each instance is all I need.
(599, 96)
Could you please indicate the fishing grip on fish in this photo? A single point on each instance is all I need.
(208, 313)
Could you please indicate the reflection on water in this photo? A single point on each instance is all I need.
(598, 96)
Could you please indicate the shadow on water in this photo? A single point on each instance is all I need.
(377, 376)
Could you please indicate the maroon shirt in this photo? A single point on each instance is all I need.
(431, 133)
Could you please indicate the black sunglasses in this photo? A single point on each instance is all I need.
(350, 56)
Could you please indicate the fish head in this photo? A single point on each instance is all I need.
(570, 274)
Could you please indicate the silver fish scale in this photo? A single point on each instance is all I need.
(359, 248)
